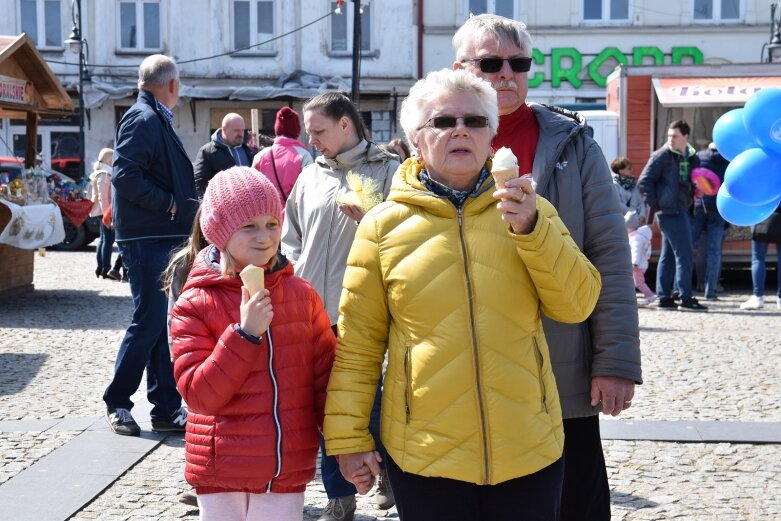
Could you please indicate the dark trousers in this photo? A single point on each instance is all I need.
(535, 497)
(105, 248)
(677, 257)
(586, 494)
(712, 225)
(145, 345)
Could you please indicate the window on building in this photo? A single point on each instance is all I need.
(717, 10)
(605, 10)
(42, 21)
(253, 24)
(139, 25)
(504, 8)
(342, 28)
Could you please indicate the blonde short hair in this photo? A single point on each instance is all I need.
(103, 156)
(446, 81)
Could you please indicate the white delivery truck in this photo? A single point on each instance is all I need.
(603, 127)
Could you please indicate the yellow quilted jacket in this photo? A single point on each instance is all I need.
(455, 298)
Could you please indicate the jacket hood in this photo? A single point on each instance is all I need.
(408, 189)
(645, 231)
(288, 141)
(206, 271)
(364, 151)
(690, 151)
(560, 127)
(217, 138)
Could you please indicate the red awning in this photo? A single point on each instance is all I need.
(680, 92)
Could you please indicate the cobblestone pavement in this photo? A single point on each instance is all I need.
(57, 348)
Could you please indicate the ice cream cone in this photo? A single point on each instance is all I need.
(504, 166)
(252, 277)
(501, 176)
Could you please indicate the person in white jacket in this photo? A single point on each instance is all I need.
(100, 194)
(640, 244)
(318, 232)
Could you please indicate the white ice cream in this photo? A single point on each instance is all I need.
(504, 159)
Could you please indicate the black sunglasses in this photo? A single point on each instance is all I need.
(443, 122)
(494, 64)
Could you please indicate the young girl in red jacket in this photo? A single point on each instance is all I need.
(252, 369)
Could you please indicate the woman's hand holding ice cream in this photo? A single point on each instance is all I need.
(518, 204)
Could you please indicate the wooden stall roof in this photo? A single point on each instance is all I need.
(20, 59)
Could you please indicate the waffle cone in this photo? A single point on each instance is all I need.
(252, 277)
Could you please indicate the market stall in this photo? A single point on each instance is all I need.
(29, 218)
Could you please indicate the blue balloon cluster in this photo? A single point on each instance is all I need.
(751, 139)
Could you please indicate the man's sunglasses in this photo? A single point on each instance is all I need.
(444, 122)
(494, 64)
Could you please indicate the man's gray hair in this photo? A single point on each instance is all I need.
(447, 81)
(156, 70)
(504, 30)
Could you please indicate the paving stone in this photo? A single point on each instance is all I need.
(720, 366)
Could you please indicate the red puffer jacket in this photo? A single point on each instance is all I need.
(254, 410)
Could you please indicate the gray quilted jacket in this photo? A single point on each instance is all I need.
(316, 235)
(570, 171)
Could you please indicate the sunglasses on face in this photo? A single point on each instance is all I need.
(444, 122)
(494, 64)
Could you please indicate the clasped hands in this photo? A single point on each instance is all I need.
(360, 469)
(518, 204)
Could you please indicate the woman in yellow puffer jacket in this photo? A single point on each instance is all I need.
(450, 276)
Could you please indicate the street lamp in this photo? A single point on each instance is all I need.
(77, 44)
(774, 46)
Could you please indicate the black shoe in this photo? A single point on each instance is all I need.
(122, 422)
(175, 424)
(676, 295)
(666, 303)
(113, 275)
(124, 276)
(98, 272)
(691, 304)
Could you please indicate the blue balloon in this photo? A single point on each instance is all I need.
(762, 118)
(731, 136)
(740, 214)
(753, 178)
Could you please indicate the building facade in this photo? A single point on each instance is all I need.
(233, 56)
(577, 43)
(236, 55)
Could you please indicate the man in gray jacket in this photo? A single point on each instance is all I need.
(597, 362)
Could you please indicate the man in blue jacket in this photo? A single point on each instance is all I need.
(153, 208)
(667, 188)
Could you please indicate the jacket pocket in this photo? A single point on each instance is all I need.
(539, 360)
(407, 382)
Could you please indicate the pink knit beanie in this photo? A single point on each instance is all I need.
(233, 197)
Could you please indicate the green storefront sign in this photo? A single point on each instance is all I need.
(566, 63)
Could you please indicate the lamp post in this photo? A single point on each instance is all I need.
(774, 45)
(76, 44)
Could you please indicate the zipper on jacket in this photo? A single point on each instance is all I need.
(538, 358)
(334, 209)
(407, 383)
(275, 409)
(486, 466)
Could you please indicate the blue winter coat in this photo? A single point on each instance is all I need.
(661, 184)
(151, 172)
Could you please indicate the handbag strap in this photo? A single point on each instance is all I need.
(276, 176)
